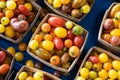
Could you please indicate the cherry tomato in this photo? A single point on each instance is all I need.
(74, 51)
(70, 34)
(94, 59)
(78, 41)
(56, 21)
(2, 56)
(58, 43)
(4, 69)
(22, 46)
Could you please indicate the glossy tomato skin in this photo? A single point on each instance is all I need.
(78, 41)
(94, 59)
(58, 43)
(4, 69)
(56, 21)
(23, 10)
(2, 56)
(70, 34)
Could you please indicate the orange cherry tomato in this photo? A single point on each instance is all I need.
(68, 43)
(38, 37)
(9, 13)
(45, 27)
(74, 51)
(22, 46)
(48, 37)
(55, 60)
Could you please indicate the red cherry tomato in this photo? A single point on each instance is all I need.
(94, 59)
(2, 56)
(70, 35)
(23, 10)
(58, 43)
(56, 21)
(78, 41)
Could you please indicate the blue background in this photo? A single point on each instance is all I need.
(91, 22)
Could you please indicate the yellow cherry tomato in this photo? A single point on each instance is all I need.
(28, 6)
(85, 9)
(48, 45)
(57, 3)
(60, 32)
(65, 1)
(115, 32)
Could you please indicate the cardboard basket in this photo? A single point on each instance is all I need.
(33, 70)
(103, 42)
(85, 33)
(98, 49)
(37, 9)
(61, 13)
(6, 77)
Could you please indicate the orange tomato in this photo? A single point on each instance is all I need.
(4, 69)
(45, 27)
(29, 78)
(38, 37)
(107, 66)
(9, 13)
(68, 43)
(55, 60)
(22, 46)
(74, 51)
(48, 37)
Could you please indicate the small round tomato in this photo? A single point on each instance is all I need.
(55, 60)
(9, 32)
(60, 32)
(48, 37)
(9, 13)
(11, 50)
(68, 43)
(4, 69)
(74, 51)
(58, 43)
(45, 27)
(22, 46)
(78, 41)
(48, 45)
(70, 34)
(38, 37)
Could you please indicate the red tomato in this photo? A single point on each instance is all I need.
(4, 69)
(78, 41)
(58, 43)
(70, 34)
(56, 21)
(2, 56)
(94, 59)
(23, 10)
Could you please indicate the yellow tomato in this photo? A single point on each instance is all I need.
(50, 1)
(60, 32)
(57, 3)
(115, 32)
(65, 1)
(115, 23)
(34, 44)
(74, 51)
(48, 45)
(85, 9)
(28, 6)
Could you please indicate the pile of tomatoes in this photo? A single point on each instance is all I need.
(27, 75)
(57, 41)
(15, 17)
(74, 8)
(100, 66)
(5, 62)
(111, 26)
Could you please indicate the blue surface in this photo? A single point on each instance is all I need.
(91, 22)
